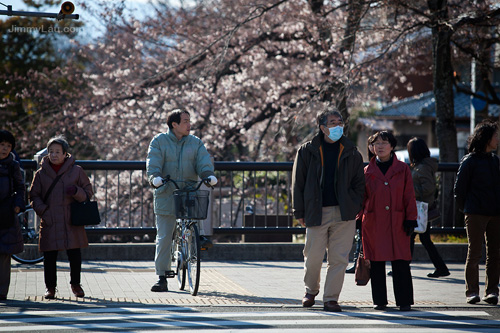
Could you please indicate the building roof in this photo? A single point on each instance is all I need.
(424, 105)
(376, 124)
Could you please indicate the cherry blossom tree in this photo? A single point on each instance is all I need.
(30, 48)
(253, 74)
(459, 30)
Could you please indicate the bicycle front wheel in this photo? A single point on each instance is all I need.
(193, 259)
(177, 261)
(30, 228)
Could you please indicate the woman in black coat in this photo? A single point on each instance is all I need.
(477, 194)
(11, 203)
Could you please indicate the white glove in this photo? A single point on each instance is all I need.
(212, 180)
(157, 181)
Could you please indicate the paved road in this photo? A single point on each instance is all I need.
(144, 318)
(233, 295)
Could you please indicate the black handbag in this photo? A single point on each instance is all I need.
(85, 213)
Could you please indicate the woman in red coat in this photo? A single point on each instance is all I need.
(388, 218)
(56, 231)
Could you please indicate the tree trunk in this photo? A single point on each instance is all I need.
(336, 89)
(446, 131)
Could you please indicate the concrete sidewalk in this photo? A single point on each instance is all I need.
(262, 283)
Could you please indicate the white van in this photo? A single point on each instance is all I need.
(402, 155)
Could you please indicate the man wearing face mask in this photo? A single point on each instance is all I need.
(328, 185)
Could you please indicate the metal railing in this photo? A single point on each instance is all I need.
(250, 198)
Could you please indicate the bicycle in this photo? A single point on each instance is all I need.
(191, 205)
(30, 229)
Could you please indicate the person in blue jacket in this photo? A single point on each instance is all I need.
(183, 157)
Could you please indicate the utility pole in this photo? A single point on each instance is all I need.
(473, 89)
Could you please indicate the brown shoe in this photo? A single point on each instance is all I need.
(332, 306)
(50, 293)
(77, 290)
(308, 300)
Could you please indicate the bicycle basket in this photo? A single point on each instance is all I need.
(191, 205)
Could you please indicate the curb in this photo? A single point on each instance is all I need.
(248, 251)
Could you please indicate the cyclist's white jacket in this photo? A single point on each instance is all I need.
(183, 159)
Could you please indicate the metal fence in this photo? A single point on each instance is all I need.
(250, 198)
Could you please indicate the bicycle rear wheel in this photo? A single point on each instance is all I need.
(193, 259)
(30, 228)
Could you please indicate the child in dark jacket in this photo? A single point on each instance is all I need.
(12, 194)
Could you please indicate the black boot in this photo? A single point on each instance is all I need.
(161, 285)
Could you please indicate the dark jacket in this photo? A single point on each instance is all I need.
(477, 188)
(424, 179)
(11, 180)
(56, 230)
(307, 181)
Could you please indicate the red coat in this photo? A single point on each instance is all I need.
(56, 231)
(389, 200)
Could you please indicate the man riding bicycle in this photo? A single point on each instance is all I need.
(184, 157)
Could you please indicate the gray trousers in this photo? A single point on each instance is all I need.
(165, 225)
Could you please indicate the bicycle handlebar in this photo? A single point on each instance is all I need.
(206, 181)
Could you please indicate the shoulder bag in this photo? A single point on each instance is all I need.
(85, 213)
(362, 271)
(51, 188)
(422, 219)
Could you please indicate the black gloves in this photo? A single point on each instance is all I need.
(409, 226)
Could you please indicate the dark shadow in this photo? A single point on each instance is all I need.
(227, 298)
(131, 317)
(260, 264)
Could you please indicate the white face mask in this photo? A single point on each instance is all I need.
(335, 133)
